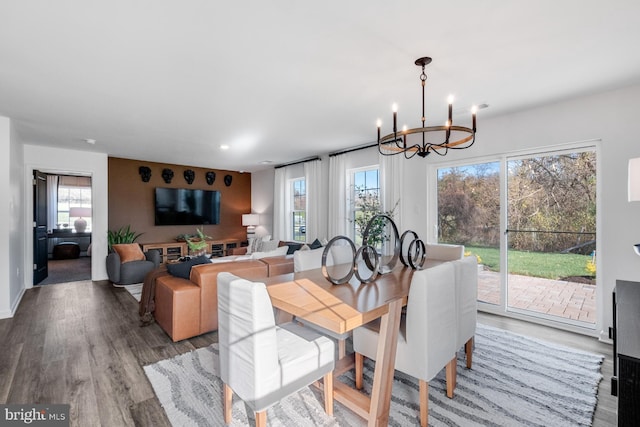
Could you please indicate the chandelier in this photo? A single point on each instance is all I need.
(407, 141)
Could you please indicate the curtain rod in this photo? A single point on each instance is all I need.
(349, 150)
(297, 162)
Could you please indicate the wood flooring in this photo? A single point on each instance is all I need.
(80, 343)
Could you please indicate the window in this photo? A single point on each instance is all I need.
(299, 207)
(73, 192)
(366, 199)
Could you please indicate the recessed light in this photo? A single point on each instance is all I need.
(224, 147)
(90, 141)
(266, 162)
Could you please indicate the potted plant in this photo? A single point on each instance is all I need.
(198, 244)
(367, 207)
(122, 235)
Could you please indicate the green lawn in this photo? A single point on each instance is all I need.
(536, 264)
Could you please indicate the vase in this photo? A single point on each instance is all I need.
(197, 252)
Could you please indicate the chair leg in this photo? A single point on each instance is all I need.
(261, 419)
(359, 366)
(424, 403)
(328, 393)
(450, 375)
(342, 348)
(468, 349)
(227, 403)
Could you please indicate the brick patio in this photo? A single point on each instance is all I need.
(560, 298)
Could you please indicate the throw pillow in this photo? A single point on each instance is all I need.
(269, 245)
(316, 244)
(293, 247)
(254, 245)
(128, 252)
(183, 269)
(305, 247)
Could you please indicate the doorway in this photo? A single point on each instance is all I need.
(62, 228)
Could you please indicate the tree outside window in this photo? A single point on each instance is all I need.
(366, 200)
(299, 211)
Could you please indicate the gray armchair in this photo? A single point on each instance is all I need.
(131, 272)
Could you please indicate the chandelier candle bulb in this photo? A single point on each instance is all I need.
(474, 110)
(394, 108)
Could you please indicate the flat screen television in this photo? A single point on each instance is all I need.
(182, 206)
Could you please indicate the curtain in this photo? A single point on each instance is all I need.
(315, 220)
(337, 212)
(391, 185)
(280, 214)
(52, 202)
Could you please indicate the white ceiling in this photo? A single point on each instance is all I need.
(170, 81)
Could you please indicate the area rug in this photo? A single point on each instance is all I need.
(515, 381)
(135, 290)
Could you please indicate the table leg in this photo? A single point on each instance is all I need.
(385, 365)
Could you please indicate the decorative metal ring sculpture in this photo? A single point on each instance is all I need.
(404, 235)
(326, 250)
(386, 268)
(374, 271)
(420, 250)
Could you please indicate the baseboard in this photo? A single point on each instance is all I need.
(6, 314)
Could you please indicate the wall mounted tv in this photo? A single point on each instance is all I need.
(181, 206)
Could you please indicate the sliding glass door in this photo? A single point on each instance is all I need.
(469, 214)
(551, 235)
(531, 221)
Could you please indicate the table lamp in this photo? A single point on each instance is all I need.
(250, 221)
(80, 223)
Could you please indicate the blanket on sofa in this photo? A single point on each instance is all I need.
(147, 300)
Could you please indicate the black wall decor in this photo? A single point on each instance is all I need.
(189, 176)
(227, 180)
(167, 175)
(210, 177)
(145, 173)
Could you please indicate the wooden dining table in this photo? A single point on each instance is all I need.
(342, 308)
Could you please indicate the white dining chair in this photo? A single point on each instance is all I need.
(260, 362)
(466, 271)
(426, 339)
(444, 252)
(309, 260)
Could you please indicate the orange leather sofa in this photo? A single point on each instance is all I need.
(187, 308)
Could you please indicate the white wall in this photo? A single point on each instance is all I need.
(48, 159)
(11, 212)
(17, 221)
(262, 200)
(5, 213)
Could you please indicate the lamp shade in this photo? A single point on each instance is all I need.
(77, 212)
(634, 180)
(250, 220)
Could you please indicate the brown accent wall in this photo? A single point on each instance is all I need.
(131, 201)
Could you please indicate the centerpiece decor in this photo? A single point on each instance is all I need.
(414, 257)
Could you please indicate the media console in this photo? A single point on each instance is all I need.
(170, 251)
(627, 351)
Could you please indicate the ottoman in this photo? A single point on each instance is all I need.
(66, 250)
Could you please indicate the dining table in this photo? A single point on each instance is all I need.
(341, 308)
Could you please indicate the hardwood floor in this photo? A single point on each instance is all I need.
(80, 343)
